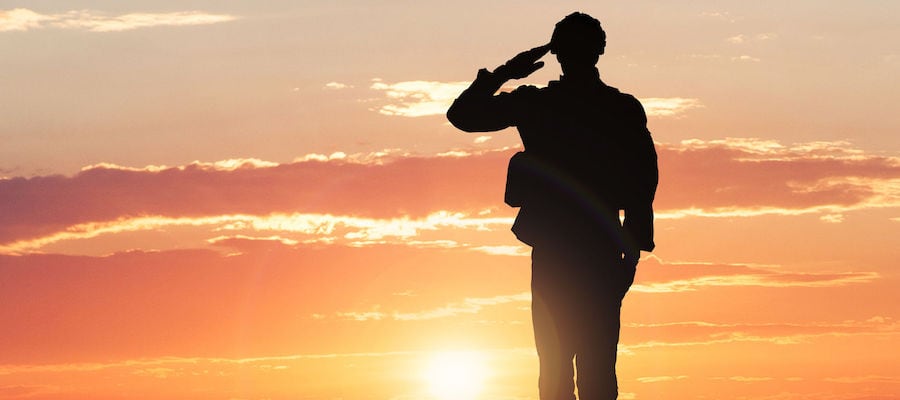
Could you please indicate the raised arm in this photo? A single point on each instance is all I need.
(477, 109)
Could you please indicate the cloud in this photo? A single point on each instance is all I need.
(406, 187)
(865, 379)
(746, 378)
(318, 197)
(737, 39)
(721, 15)
(424, 98)
(668, 106)
(684, 335)
(664, 378)
(745, 58)
(227, 240)
(172, 363)
(348, 230)
(337, 86)
(519, 251)
(27, 391)
(22, 19)
(471, 305)
(418, 98)
(750, 177)
(222, 165)
(661, 277)
(759, 37)
(832, 218)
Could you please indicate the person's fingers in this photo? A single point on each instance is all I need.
(528, 70)
(532, 54)
(540, 50)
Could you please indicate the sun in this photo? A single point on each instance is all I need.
(456, 375)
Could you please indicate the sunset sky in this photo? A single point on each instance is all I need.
(230, 199)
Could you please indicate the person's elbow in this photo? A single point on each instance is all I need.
(461, 119)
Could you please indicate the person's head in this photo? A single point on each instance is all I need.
(578, 40)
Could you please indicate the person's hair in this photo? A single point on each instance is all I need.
(578, 37)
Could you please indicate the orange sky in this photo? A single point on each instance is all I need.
(227, 200)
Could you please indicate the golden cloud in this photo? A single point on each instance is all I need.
(356, 231)
(669, 106)
(418, 98)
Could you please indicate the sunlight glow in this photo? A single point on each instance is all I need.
(456, 375)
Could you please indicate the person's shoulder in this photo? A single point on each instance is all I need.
(622, 96)
(524, 94)
(527, 90)
(629, 104)
(628, 100)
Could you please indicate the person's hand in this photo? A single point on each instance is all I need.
(631, 259)
(523, 64)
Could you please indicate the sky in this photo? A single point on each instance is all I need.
(264, 200)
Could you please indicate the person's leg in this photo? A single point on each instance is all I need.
(596, 357)
(552, 332)
(609, 280)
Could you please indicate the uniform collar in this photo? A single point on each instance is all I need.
(586, 79)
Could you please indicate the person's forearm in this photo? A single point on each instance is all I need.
(473, 110)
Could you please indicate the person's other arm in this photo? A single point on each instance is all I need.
(477, 109)
(638, 222)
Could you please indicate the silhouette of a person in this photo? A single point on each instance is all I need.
(588, 155)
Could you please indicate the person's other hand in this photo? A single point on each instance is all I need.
(631, 259)
(523, 64)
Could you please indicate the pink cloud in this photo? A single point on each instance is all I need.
(732, 177)
(31, 207)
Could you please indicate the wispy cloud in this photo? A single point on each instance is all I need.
(418, 98)
(759, 37)
(22, 19)
(423, 98)
(349, 230)
(337, 86)
(761, 280)
(669, 106)
(504, 250)
(664, 378)
(221, 165)
(726, 339)
(145, 364)
(865, 379)
(720, 15)
(746, 58)
(745, 379)
(472, 305)
(661, 277)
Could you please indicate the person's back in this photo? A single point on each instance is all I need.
(585, 141)
(588, 154)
